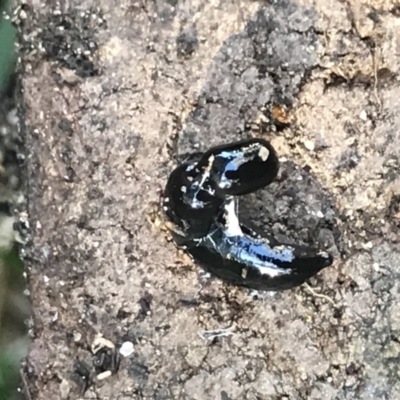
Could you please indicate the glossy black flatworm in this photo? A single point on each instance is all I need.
(200, 203)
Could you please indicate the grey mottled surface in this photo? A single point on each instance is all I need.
(112, 95)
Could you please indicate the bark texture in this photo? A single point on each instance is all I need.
(112, 93)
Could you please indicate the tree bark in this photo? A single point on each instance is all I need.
(111, 93)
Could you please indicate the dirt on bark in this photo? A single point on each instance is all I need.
(113, 94)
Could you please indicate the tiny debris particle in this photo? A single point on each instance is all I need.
(99, 342)
(363, 115)
(281, 113)
(12, 117)
(23, 15)
(211, 335)
(104, 375)
(263, 153)
(126, 349)
(77, 336)
(309, 145)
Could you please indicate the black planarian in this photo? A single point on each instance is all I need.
(201, 205)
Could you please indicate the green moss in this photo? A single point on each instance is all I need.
(8, 378)
(7, 54)
(10, 259)
(8, 363)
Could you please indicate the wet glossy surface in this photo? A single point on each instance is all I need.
(242, 167)
(200, 204)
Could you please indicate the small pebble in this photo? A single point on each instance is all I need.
(363, 115)
(104, 375)
(126, 349)
(309, 145)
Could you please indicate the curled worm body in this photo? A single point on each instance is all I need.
(201, 205)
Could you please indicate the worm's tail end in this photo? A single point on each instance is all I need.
(303, 267)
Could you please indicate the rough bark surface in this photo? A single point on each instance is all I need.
(114, 92)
